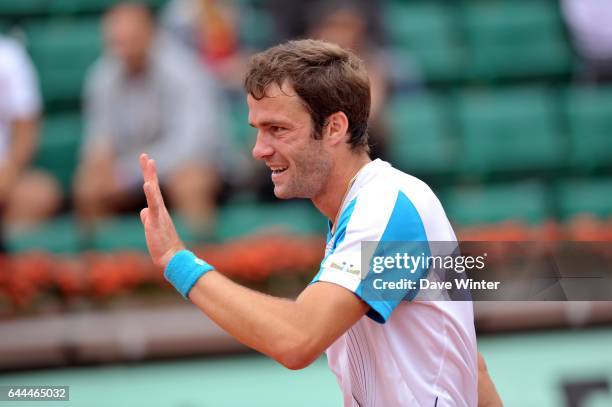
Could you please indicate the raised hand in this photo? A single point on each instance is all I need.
(162, 240)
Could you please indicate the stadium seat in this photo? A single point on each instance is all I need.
(58, 235)
(62, 52)
(91, 6)
(23, 8)
(287, 217)
(256, 28)
(126, 233)
(235, 220)
(59, 146)
(420, 143)
(86, 6)
(515, 39)
(591, 196)
(525, 201)
(242, 133)
(120, 233)
(425, 30)
(509, 131)
(156, 4)
(589, 114)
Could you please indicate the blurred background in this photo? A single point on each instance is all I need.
(503, 106)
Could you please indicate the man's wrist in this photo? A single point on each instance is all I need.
(165, 259)
(184, 269)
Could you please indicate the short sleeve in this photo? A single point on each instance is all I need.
(23, 92)
(366, 229)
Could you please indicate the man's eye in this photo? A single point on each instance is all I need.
(276, 129)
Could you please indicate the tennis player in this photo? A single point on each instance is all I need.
(309, 101)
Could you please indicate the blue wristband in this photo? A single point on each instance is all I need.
(184, 269)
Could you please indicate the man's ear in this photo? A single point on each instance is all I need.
(336, 128)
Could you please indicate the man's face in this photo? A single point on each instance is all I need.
(300, 165)
(128, 33)
(345, 27)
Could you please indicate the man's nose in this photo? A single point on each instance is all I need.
(262, 149)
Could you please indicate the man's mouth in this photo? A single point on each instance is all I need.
(278, 170)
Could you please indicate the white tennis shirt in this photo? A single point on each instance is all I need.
(19, 97)
(401, 353)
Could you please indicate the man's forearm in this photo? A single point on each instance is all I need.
(274, 326)
(294, 333)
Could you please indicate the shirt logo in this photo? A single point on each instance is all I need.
(345, 267)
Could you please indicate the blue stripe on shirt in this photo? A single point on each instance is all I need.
(404, 226)
(341, 226)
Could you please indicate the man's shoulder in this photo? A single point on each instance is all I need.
(12, 54)
(387, 183)
(176, 63)
(393, 197)
(9, 47)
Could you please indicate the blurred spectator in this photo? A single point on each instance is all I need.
(211, 28)
(346, 24)
(27, 196)
(293, 18)
(147, 94)
(590, 23)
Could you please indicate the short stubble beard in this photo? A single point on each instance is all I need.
(311, 170)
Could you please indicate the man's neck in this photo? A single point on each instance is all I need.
(329, 201)
(137, 68)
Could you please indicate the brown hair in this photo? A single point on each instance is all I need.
(326, 77)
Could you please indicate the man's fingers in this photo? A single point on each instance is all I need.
(144, 213)
(149, 169)
(143, 162)
(152, 201)
(152, 174)
(155, 201)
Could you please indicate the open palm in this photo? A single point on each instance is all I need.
(162, 240)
